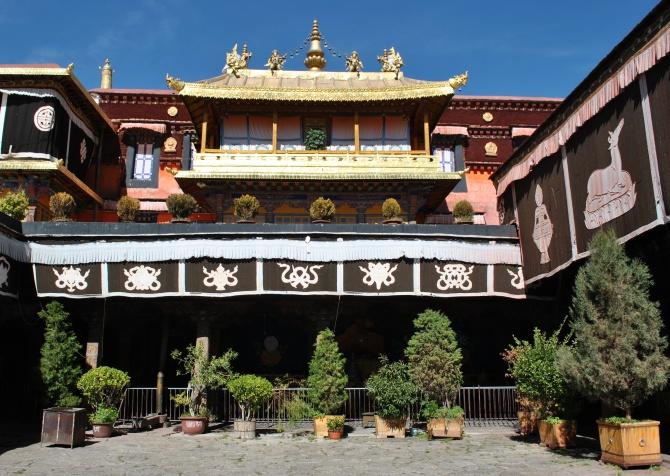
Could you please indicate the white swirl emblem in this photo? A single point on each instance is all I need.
(142, 278)
(45, 118)
(4, 272)
(71, 278)
(454, 276)
(378, 274)
(220, 277)
(300, 275)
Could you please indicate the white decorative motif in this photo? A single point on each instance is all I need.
(45, 118)
(83, 152)
(454, 276)
(4, 272)
(517, 278)
(378, 274)
(142, 278)
(543, 229)
(71, 278)
(611, 191)
(220, 277)
(300, 275)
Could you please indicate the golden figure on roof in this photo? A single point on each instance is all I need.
(458, 81)
(275, 61)
(236, 62)
(391, 61)
(354, 63)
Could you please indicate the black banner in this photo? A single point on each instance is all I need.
(378, 276)
(220, 276)
(302, 276)
(440, 277)
(71, 280)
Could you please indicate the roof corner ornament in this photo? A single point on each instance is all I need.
(235, 62)
(275, 61)
(174, 83)
(69, 69)
(391, 61)
(354, 63)
(458, 81)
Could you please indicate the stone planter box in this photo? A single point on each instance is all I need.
(630, 444)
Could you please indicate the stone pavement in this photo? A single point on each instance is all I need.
(159, 452)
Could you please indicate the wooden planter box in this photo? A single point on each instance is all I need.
(390, 427)
(527, 423)
(630, 444)
(559, 435)
(445, 427)
(63, 426)
(321, 425)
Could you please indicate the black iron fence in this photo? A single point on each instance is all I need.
(483, 406)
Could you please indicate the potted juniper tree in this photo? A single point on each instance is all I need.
(103, 388)
(434, 361)
(204, 374)
(246, 207)
(322, 210)
(391, 211)
(14, 204)
(62, 206)
(181, 206)
(393, 391)
(528, 408)
(618, 356)
(463, 212)
(127, 208)
(250, 392)
(327, 381)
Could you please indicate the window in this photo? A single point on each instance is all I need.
(446, 159)
(144, 161)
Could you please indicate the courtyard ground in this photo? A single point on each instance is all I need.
(483, 451)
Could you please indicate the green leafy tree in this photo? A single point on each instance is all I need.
(327, 379)
(392, 389)
(619, 349)
(61, 355)
(434, 357)
(250, 392)
(14, 204)
(103, 386)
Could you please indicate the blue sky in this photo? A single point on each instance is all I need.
(522, 47)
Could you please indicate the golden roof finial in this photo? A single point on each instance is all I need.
(458, 81)
(174, 83)
(315, 60)
(106, 74)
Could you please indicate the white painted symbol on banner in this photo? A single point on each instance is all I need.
(454, 276)
(220, 277)
(378, 274)
(516, 278)
(4, 272)
(142, 278)
(83, 152)
(45, 118)
(611, 191)
(71, 278)
(303, 276)
(543, 229)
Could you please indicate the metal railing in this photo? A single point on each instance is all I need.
(484, 406)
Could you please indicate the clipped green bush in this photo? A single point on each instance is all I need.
(391, 209)
(104, 415)
(322, 209)
(335, 423)
(181, 205)
(62, 206)
(60, 357)
(127, 208)
(619, 347)
(14, 204)
(246, 207)
(392, 389)
(327, 379)
(103, 387)
(463, 212)
(315, 139)
(250, 392)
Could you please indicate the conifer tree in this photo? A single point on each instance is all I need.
(619, 350)
(434, 357)
(60, 356)
(327, 379)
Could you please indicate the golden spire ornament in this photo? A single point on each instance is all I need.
(315, 60)
(106, 72)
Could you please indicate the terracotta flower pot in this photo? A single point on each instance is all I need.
(558, 435)
(103, 430)
(193, 425)
(390, 427)
(321, 425)
(335, 434)
(630, 444)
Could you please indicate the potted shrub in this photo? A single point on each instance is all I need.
(315, 139)
(127, 208)
(326, 381)
(539, 379)
(391, 211)
(181, 206)
(463, 212)
(62, 206)
(204, 374)
(528, 409)
(245, 208)
(393, 391)
(250, 392)
(322, 210)
(434, 362)
(60, 367)
(335, 428)
(103, 388)
(14, 204)
(611, 304)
